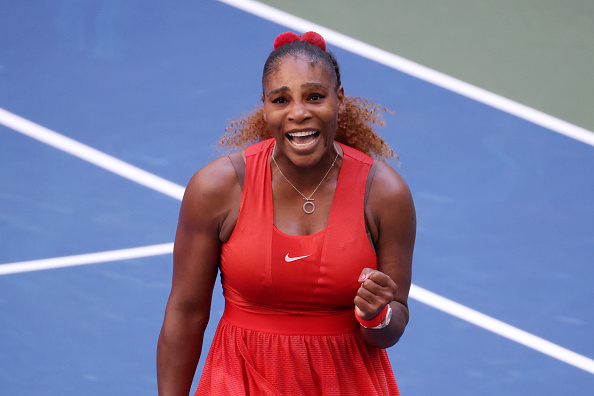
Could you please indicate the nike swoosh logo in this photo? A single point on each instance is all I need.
(289, 259)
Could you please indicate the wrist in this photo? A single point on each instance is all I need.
(379, 322)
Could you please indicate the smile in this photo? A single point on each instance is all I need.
(303, 138)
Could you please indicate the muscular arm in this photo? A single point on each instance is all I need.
(393, 230)
(211, 195)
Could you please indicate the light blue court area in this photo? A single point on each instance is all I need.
(504, 206)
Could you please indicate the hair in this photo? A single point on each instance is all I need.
(355, 125)
(301, 48)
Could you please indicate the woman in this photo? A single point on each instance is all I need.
(304, 229)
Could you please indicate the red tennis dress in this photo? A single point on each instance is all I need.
(289, 326)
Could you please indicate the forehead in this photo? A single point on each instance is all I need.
(298, 70)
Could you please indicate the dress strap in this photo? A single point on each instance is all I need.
(239, 165)
(369, 181)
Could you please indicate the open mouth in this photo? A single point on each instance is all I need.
(303, 138)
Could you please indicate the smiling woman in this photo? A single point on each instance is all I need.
(293, 272)
(355, 128)
(356, 119)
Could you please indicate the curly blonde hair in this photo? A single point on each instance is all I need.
(355, 129)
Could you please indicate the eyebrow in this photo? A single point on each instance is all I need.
(284, 88)
(278, 90)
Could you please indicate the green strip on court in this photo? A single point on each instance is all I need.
(537, 52)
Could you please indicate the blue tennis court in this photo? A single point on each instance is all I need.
(108, 108)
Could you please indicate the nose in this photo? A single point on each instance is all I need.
(299, 111)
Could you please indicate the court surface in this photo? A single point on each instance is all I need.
(107, 108)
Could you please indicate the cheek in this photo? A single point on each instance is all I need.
(332, 119)
(268, 114)
(274, 124)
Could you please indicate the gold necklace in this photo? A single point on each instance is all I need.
(308, 200)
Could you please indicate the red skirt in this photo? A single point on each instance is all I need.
(295, 361)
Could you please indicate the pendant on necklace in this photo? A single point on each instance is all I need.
(313, 207)
(308, 201)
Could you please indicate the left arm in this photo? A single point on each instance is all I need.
(392, 224)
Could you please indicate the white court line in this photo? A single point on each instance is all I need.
(83, 259)
(503, 329)
(416, 70)
(422, 295)
(90, 154)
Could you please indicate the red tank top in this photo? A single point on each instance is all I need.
(289, 326)
(266, 272)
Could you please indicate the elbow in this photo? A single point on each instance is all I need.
(383, 340)
(390, 342)
(180, 321)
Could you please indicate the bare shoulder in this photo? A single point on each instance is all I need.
(390, 209)
(389, 186)
(211, 194)
(214, 179)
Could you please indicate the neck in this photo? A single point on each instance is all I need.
(307, 177)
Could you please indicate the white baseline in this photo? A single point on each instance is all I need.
(90, 154)
(83, 259)
(503, 329)
(416, 70)
(422, 295)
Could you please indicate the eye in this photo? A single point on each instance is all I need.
(279, 100)
(316, 97)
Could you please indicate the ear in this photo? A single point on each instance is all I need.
(341, 100)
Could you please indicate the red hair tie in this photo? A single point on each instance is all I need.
(311, 37)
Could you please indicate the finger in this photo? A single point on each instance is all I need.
(365, 273)
(365, 310)
(360, 313)
(377, 290)
(380, 278)
(363, 304)
(376, 296)
(366, 295)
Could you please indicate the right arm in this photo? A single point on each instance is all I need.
(209, 199)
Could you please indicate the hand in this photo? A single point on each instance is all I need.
(377, 289)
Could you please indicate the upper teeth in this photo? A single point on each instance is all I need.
(301, 134)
